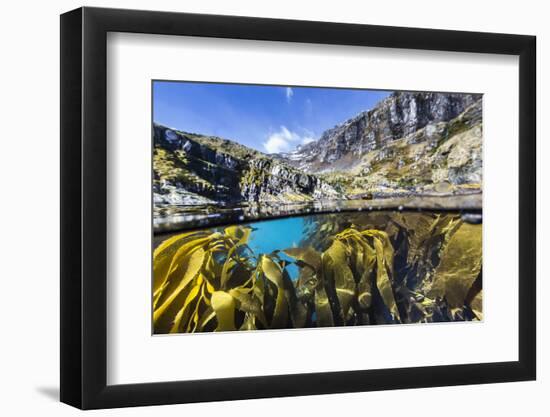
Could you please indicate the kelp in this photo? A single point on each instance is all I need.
(380, 268)
(459, 268)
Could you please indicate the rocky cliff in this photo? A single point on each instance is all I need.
(422, 143)
(192, 169)
(399, 115)
(410, 142)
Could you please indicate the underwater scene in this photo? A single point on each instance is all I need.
(342, 269)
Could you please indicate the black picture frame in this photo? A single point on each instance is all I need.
(84, 207)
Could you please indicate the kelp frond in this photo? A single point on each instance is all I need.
(206, 281)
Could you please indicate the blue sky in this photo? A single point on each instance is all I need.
(267, 118)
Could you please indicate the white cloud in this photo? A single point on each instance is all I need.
(285, 140)
(289, 92)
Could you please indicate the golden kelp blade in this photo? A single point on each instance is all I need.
(238, 237)
(477, 305)
(241, 234)
(336, 268)
(193, 267)
(190, 298)
(382, 277)
(306, 255)
(459, 267)
(362, 261)
(224, 307)
(166, 255)
(322, 308)
(250, 304)
(381, 254)
(212, 281)
(274, 273)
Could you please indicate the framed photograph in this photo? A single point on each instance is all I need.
(258, 208)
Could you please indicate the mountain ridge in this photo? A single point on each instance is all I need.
(394, 117)
(195, 169)
(408, 143)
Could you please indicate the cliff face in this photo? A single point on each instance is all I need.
(196, 169)
(409, 143)
(398, 116)
(440, 158)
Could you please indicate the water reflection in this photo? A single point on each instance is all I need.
(170, 217)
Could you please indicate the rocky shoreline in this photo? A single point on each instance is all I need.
(170, 218)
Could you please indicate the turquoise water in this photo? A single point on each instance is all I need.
(271, 235)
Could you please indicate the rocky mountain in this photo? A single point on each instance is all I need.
(441, 158)
(192, 169)
(399, 115)
(420, 143)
